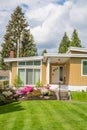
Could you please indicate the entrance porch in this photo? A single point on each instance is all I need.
(57, 70)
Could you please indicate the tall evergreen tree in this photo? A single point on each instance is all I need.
(64, 44)
(44, 51)
(75, 41)
(14, 37)
(28, 47)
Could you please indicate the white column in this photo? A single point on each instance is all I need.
(48, 71)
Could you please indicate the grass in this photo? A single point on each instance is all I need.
(79, 96)
(43, 115)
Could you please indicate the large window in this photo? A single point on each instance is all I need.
(29, 76)
(84, 67)
(29, 71)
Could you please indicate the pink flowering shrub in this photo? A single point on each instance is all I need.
(24, 90)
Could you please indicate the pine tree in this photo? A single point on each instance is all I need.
(44, 51)
(14, 37)
(28, 47)
(75, 41)
(64, 44)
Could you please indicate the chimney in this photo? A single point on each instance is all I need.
(11, 54)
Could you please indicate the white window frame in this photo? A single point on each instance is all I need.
(82, 67)
(30, 67)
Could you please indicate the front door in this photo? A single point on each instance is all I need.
(55, 75)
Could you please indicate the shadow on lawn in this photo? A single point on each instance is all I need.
(12, 107)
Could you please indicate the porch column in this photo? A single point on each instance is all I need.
(48, 72)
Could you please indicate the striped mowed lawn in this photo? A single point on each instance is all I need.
(43, 115)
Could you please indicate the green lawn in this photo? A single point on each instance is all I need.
(79, 96)
(43, 115)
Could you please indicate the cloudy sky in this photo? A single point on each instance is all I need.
(48, 20)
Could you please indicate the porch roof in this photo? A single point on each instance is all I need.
(62, 58)
(64, 55)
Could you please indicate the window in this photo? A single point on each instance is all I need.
(29, 76)
(61, 73)
(29, 63)
(36, 75)
(21, 63)
(21, 73)
(37, 63)
(84, 67)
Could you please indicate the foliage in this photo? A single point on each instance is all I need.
(79, 96)
(44, 51)
(34, 93)
(18, 82)
(7, 95)
(38, 84)
(64, 44)
(75, 41)
(17, 38)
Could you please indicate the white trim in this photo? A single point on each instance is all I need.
(48, 71)
(77, 88)
(82, 67)
(23, 59)
(49, 55)
(78, 49)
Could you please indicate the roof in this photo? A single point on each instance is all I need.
(78, 49)
(4, 73)
(23, 59)
(49, 55)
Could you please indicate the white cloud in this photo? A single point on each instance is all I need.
(49, 20)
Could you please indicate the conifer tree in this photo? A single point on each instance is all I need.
(64, 44)
(14, 37)
(75, 41)
(44, 51)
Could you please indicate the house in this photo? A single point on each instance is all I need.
(4, 75)
(69, 68)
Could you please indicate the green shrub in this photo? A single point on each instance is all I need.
(38, 84)
(18, 82)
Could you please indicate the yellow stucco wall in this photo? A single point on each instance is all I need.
(44, 73)
(67, 73)
(75, 77)
(14, 72)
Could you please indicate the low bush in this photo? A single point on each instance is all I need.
(35, 93)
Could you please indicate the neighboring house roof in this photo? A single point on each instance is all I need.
(4, 73)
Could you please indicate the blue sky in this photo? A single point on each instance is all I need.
(48, 20)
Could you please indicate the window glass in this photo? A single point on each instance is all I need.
(36, 75)
(21, 73)
(29, 76)
(84, 67)
(21, 63)
(29, 63)
(61, 74)
(37, 62)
